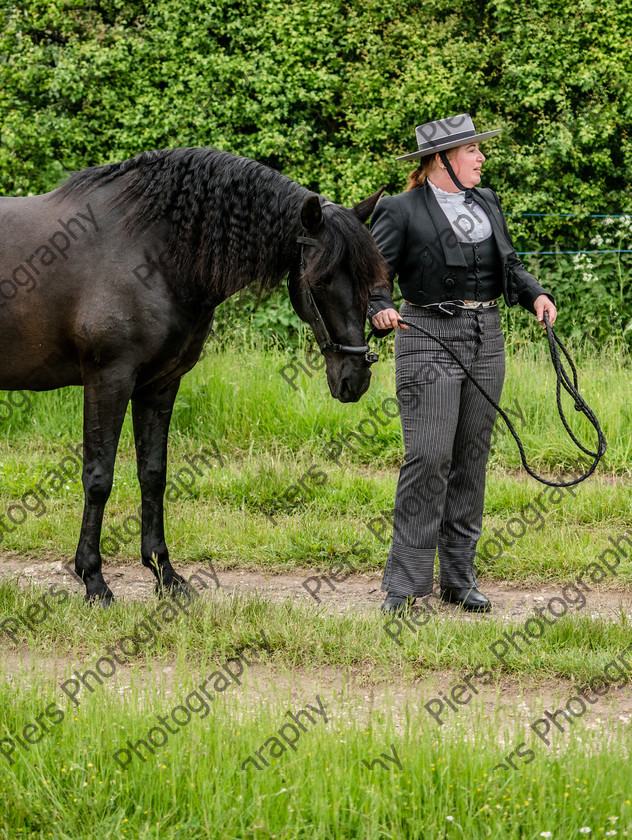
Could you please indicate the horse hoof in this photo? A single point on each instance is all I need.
(103, 601)
(177, 588)
(186, 591)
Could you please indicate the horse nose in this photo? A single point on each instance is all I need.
(352, 388)
(344, 391)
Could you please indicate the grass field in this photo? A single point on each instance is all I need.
(284, 475)
(272, 474)
(431, 785)
(575, 646)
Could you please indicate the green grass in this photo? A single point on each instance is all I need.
(239, 398)
(224, 518)
(575, 646)
(441, 783)
(275, 443)
(246, 515)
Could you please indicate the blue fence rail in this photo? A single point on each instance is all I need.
(573, 216)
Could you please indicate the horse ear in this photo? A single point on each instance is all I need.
(311, 214)
(364, 209)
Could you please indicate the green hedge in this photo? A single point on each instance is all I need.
(330, 92)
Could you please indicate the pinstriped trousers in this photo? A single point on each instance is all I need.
(447, 426)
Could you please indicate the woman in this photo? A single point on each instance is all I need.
(449, 244)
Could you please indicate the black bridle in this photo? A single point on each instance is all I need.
(321, 333)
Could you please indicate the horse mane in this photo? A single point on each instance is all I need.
(232, 222)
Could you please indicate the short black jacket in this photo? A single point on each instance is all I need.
(420, 246)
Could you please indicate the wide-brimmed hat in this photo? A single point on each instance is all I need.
(438, 135)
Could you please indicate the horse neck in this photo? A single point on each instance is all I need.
(275, 244)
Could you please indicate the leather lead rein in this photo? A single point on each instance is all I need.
(563, 381)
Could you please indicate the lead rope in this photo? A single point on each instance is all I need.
(563, 380)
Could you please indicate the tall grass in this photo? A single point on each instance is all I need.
(301, 482)
(439, 783)
(239, 397)
(446, 782)
(574, 646)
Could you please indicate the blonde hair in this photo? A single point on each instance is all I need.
(418, 176)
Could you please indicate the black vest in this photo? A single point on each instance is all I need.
(421, 248)
(484, 271)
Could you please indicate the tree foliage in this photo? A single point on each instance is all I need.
(329, 92)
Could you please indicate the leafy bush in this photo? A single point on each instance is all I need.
(329, 93)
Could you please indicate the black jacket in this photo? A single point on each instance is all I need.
(419, 245)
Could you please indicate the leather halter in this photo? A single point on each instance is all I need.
(321, 333)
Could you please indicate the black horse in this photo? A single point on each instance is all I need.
(112, 280)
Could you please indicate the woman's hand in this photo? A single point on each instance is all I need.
(388, 319)
(541, 305)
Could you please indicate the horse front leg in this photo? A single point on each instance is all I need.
(106, 395)
(151, 413)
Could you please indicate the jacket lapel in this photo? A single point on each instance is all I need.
(452, 251)
(497, 221)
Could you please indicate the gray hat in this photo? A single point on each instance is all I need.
(439, 135)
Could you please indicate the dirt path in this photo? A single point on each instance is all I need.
(516, 702)
(134, 582)
(510, 705)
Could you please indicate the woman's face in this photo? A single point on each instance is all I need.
(467, 162)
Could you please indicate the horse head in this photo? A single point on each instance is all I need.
(330, 286)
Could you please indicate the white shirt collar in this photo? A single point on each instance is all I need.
(439, 191)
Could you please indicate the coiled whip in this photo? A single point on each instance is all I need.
(563, 381)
